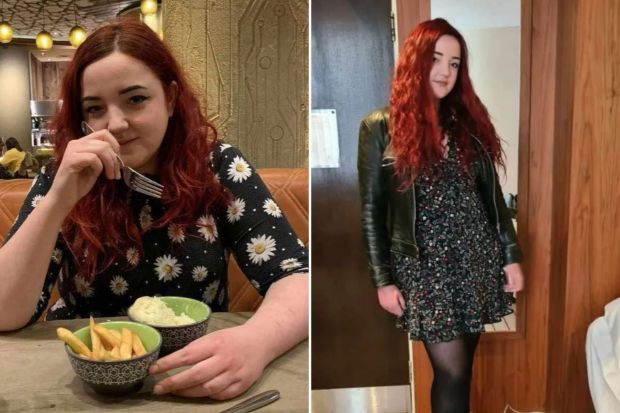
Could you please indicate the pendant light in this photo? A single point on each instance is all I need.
(77, 34)
(148, 7)
(44, 39)
(6, 31)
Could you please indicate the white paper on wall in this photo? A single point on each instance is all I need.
(324, 148)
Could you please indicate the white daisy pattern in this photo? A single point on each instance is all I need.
(224, 146)
(290, 264)
(119, 285)
(58, 304)
(209, 294)
(235, 210)
(176, 233)
(57, 256)
(83, 287)
(36, 200)
(167, 267)
(270, 207)
(199, 273)
(261, 249)
(146, 220)
(208, 229)
(133, 256)
(239, 170)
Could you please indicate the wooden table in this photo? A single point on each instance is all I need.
(36, 376)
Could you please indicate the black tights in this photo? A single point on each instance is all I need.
(452, 366)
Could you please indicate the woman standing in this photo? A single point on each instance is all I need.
(440, 242)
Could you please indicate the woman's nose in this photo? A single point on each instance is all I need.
(117, 122)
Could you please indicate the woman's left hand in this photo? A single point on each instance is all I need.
(224, 364)
(514, 278)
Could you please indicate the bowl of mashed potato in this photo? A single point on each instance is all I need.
(179, 320)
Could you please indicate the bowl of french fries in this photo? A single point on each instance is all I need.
(179, 320)
(112, 357)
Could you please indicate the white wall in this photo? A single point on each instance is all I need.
(492, 32)
(495, 73)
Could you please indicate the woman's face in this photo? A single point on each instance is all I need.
(123, 95)
(446, 61)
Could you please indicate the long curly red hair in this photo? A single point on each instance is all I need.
(100, 228)
(415, 123)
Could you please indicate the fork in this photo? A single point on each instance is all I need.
(132, 178)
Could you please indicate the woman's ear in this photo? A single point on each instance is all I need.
(172, 92)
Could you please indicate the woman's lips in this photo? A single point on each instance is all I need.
(126, 141)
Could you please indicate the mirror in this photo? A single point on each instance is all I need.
(492, 31)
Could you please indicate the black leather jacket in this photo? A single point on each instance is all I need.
(389, 215)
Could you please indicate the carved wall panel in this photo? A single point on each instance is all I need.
(248, 60)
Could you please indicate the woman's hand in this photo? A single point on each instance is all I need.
(514, 278)
(224, 363)
(391, 299)
(82, 163)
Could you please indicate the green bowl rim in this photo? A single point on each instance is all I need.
(73, 354)
(181, 326)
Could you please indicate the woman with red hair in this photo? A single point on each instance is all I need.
(441, 245)
(106, 245)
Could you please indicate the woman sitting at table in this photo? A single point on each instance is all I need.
(106, 245)
(13, 157)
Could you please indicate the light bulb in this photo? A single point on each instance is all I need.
(77, 35)
(44, 40)
(6, 32)
(148, 7)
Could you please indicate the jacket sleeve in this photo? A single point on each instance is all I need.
(507, 235)
(374, 204)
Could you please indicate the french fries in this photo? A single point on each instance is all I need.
(73, 342)
(107, 344)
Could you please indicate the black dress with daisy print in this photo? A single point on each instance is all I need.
(191, 262)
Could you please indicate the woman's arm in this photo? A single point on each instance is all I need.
(25, 257)
(374, 198)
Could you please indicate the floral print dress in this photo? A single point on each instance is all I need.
(191, 262)
(455, 286)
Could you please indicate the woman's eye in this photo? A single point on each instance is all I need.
(435, 60)
(455, 65)
(135, 100)
(92, 109)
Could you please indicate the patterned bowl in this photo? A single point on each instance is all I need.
(177, 337)
(116, 377)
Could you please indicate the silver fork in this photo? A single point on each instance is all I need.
(132, 178)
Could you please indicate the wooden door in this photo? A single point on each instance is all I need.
(354, 342)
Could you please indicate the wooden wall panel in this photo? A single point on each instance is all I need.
(248, 60)
(408, 15)
(591, 36)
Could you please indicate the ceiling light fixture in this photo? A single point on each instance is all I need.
(148, 7)
(6, 30)
(77, 34)
(44, 39)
